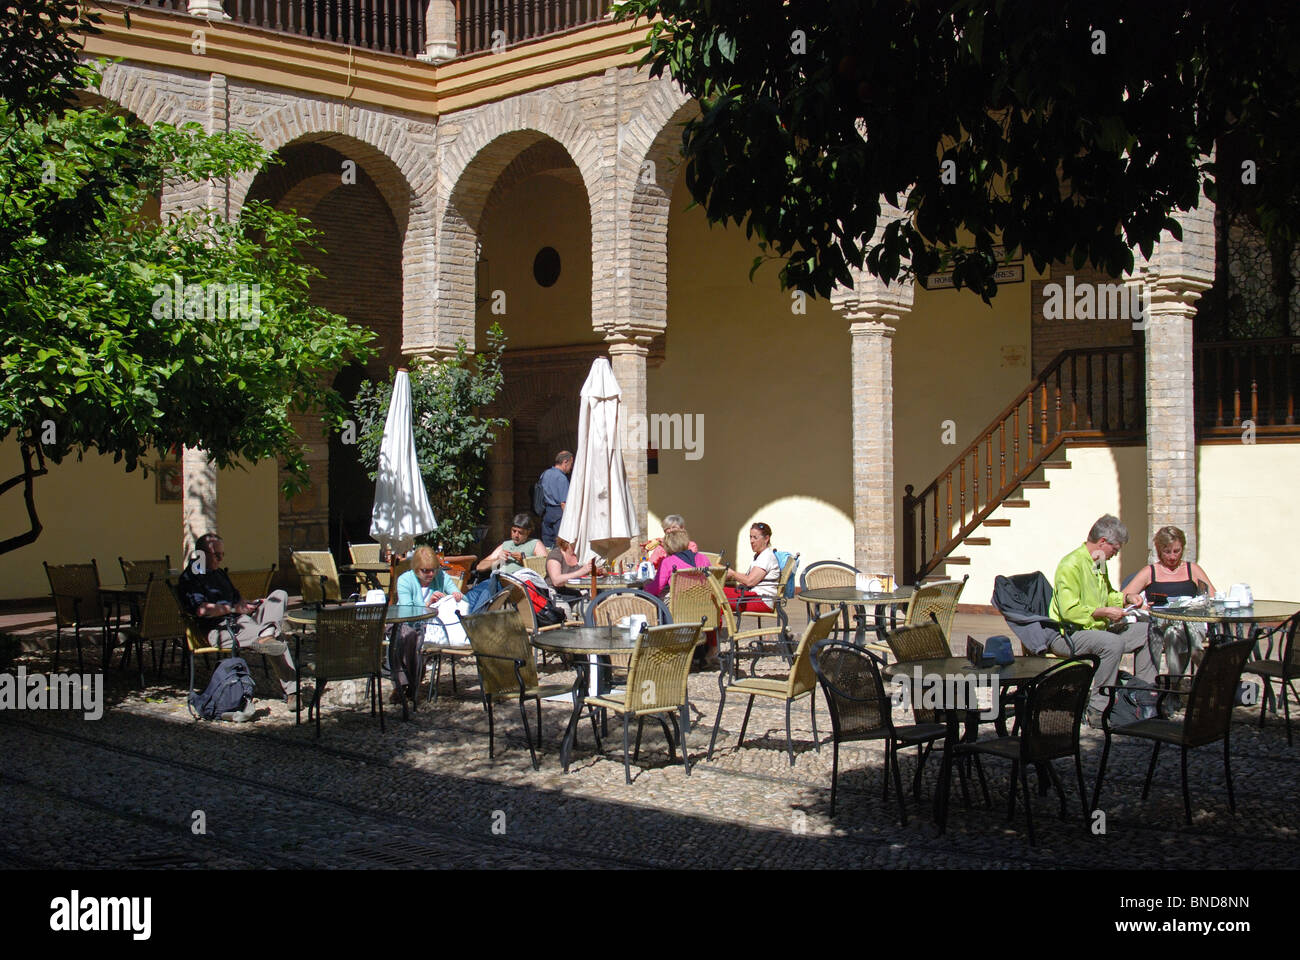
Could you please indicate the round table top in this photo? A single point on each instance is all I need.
(583, 639)
(397, 613)
(1261, 611)
(1021, 670)
(854, 595)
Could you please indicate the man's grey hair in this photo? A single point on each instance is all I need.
(1111, 529)
(674, 520)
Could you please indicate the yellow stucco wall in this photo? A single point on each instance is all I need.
(93, 508)
(541, 211)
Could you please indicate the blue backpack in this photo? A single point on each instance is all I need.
(230, 687)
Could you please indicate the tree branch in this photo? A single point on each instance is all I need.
(29, 474)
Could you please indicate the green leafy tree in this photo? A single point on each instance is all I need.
(1070, 130)
(124, 335)
(452, 437)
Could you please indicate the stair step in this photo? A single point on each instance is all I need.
(1013, 503)
(1035, 484)
(977, 541)
(961, 561)
(1057, 465)
(998, 522)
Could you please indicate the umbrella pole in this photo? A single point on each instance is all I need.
(392, 578)
(593, 581)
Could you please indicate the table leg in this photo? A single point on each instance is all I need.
(945, 771)
(570, 734)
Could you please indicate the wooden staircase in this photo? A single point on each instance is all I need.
(1090, 396)
(1085, 395)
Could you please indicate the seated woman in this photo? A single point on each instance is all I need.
(427, 585)
(1172, 578)
(681, 555)
(509, 557)
(562, 567)
(758, 583)
(658, 548)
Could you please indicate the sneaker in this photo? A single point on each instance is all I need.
(308, 697)
(269, 647)
(240, 716)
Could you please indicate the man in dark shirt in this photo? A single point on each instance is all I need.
(208, 594)
(555, 492)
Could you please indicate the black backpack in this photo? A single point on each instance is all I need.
(229, 689)
(539, 499)
(1136, 700)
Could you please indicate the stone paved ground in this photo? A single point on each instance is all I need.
(123, 791)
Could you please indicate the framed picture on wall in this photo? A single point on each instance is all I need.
(168, 480)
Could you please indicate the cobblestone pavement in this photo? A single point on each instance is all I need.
(124, 791)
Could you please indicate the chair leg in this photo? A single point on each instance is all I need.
(1083, 793)
(722, 700)
(1267, 684)
(1101, 772)
(1056, 782)
(812, 702)
(627, 767)
(1227, 773)
(1029, 813)
(528, 734)
(539, 722)
(453, 672)
(1151, 769)
(58, 643)
(380, 700)
(1187, 799)
(744, 725)
(491, 730)
(984, 784)
(681, 731)
(1011, 798)
(789, 743)
(835, 770)
(898, 781)
(636, 750)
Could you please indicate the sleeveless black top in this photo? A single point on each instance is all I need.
(1173, 588)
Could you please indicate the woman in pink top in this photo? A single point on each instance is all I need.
(672, 522)
(679, 548)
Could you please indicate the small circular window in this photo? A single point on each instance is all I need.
(546, 267)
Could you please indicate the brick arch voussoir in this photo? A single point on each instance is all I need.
(140, 93)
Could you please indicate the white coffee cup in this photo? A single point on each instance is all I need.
(634, 624)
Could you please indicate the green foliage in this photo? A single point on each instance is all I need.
(452, 439)
(98, 353)
(39, 63)
(1074, 128)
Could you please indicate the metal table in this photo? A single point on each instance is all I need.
(1022, 670)
(585, 644)
(845, 597)
(397, 613)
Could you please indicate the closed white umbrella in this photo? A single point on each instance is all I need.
(401, 512)
(599, 516)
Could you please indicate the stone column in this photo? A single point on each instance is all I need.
(199, 503)
(873, 311)
(206, 8)
(440, 31)
(1176, 275)
(627, 355)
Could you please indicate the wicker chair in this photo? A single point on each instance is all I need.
(77, 603)
(1049, 710)
(861, 710)
(506, 669)
(160, 619)
(656, 685)
(536, 564)
(825, 574)
(349, 645)
(1207, 719)
(140, 571)
(691, 599)
(777, 603)
(252, 584)
(922, 642)
(1284, 671)
(715, 559)
(612, 606)
(368, 553)
(937, 601)
(800, 681)
(734, 643)
(319, 575)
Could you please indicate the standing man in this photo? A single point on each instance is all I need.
(1083, 596)
(208, 594)
(553, 487)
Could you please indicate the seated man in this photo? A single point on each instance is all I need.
(509, 557)
(1084, 596)
(209, 595)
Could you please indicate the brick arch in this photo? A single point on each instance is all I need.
(644, 202)
(381, 144)
(499, 145)
(132, 89)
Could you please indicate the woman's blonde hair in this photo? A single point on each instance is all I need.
(675, 541)
(426, 552)
(1167, 535)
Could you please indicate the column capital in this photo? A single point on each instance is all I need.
(869, 325)
(629, 341)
